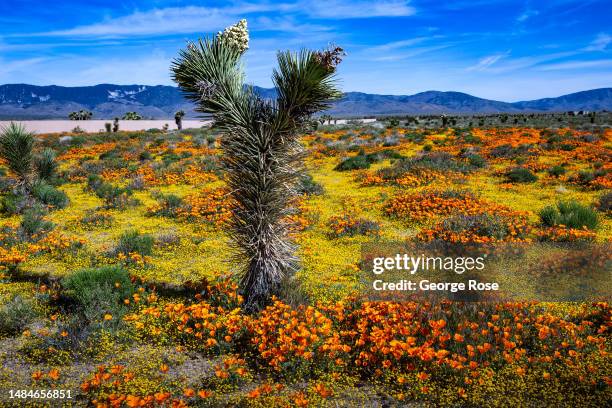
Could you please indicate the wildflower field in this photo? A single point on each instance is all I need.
(117, 286)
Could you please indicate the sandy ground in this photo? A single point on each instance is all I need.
(58, 126)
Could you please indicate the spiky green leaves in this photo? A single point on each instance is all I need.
(304, 85)
(45, 165)
(208, 74)
(262, 153)
(16, 145)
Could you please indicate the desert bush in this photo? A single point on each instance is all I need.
(167, 240)
(49, 195)
(168, 205)
(509, 152)
(604, 203)
(16, 314)
(137, 183)
(587, 176)
(483, 225)
(307, 186)
(100, 291)
(476, 160)
(95, 219)
(520, 175)
(359, 162)
(557, 171)
(144, 155)
(11, 203)
(570, 214)
(436, 161)
(45, 165)
(469, 138)
(113, 196)
(348, 225)
(33, 224)
(133, 242)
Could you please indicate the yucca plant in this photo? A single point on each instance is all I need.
(262, 154)
(16, 145)
(45, 165)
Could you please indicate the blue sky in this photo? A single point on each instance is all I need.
(504, 50)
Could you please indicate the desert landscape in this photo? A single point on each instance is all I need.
(195, 240)
(120, 290)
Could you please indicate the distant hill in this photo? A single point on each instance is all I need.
(106, 101)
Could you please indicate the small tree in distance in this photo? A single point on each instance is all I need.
(80, 115)
(261, 150)
(132, 116)
(178, 119)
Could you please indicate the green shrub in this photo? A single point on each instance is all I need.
(49, 195)
(520, 175)
(168, 205)
(484, 225)
(34, 225)
(476, 160)
(93, 219)
(11, 203)
(45, 165)
(144, 155)
(557, 171)
(135, 242)
(354, 163)
(508, 151)
(100, 291)
(307, 186)
(113, 196)
(571, 214)
(604, 203)
(15, 315)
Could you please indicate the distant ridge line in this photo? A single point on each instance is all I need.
(106, 101)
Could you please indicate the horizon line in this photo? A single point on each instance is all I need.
(344, 92)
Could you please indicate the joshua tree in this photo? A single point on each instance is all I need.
(116, 125)
(178, 118)
(80, 115)
(131, 116)
(16, 145)
(325, 119)
(262, 153)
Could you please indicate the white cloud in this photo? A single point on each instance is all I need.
(196, 19)
(487, 61)
(10, 68)
(503, 65)
(412, 52)
(600, 43)
(174, 20)
(343, 9)
(526, 15)
(394, 45)
(576, 65)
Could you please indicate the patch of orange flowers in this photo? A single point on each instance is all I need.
(422, 206)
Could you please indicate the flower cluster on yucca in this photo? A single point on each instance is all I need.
(261, 151)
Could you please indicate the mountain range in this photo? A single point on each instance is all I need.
(106, 101)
